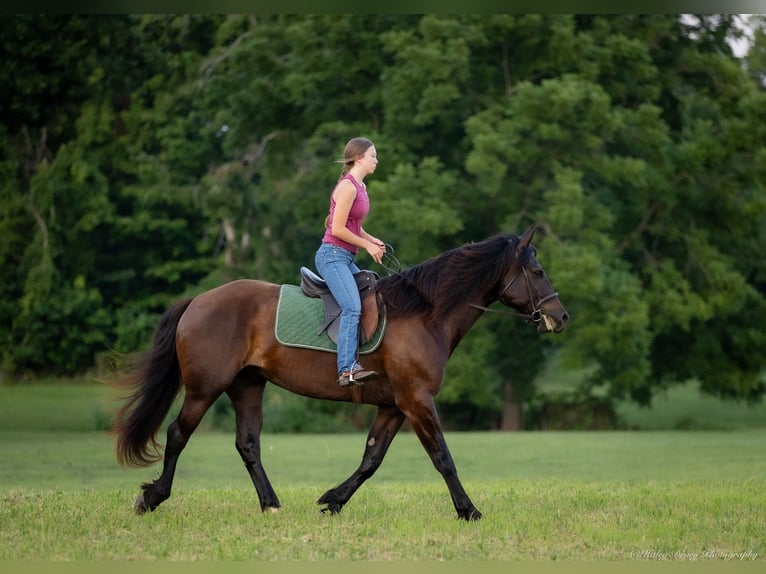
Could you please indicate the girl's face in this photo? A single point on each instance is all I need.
(369, 161)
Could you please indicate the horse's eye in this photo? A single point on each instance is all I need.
(538, 273)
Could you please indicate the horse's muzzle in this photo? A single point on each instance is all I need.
(553, 322)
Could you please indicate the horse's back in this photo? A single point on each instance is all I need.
(225, 314)
(237, 286)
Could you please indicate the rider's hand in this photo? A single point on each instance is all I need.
(376, 249)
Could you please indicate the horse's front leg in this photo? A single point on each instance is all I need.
(421, 412)
(383, 430)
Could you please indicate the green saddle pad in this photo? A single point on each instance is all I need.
(300, 317)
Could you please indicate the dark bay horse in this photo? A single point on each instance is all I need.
(223, 341)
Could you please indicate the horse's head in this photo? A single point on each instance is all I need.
(527, 289)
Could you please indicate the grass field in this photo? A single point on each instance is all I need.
(644, 496)
(544, 496)
(86, 407)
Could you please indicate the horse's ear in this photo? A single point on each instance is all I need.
(526, 238)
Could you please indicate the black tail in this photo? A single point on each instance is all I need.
(154, 385)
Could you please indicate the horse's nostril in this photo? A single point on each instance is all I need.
(565, 318)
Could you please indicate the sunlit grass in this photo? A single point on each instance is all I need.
(73, 461)
(545, 495)
(548, 519)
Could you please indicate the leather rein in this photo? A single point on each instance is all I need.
(536, 315)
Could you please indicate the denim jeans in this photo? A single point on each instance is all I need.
(336, 266)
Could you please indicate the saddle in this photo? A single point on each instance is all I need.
(314, 286)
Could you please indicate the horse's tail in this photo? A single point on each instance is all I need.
(154, 386)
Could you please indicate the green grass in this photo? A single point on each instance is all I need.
(545, 495)
(87, 407)
(56, 407)
(684, 408)
(74, 461)
(547, 519)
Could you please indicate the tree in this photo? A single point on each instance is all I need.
(69, 196)
(603, 176)
(165, 154)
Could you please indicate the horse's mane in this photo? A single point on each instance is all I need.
(442, 283)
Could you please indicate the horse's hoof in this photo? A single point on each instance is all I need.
(272, 509)
(332, 509)
(140, 504)
(470, 514)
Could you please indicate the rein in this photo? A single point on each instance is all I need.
(390, 259)
(536, 315)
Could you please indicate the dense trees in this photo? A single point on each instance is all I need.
(146, 157)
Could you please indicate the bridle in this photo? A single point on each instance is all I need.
(536, 315)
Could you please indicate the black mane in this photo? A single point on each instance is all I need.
(444, 282)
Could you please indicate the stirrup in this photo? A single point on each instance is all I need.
(355, 377)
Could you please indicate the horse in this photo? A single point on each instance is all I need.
(223, 341)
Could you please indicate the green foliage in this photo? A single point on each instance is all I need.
(60, 329)
(148, 157)
(416, 221)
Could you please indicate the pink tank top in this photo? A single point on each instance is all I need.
(359, 210)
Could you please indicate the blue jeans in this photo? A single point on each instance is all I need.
(336, 266)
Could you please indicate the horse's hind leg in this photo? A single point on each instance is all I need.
(179, 431)
(384, 428)
(247, 399)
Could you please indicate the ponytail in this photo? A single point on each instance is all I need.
(355, 148)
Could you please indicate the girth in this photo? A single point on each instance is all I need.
(314, 286)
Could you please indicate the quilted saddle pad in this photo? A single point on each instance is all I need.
(300, 317)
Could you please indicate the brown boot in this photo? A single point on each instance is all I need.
(355, 377)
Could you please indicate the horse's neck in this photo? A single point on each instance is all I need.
(458, 323)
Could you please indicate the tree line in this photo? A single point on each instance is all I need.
(149, 157)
